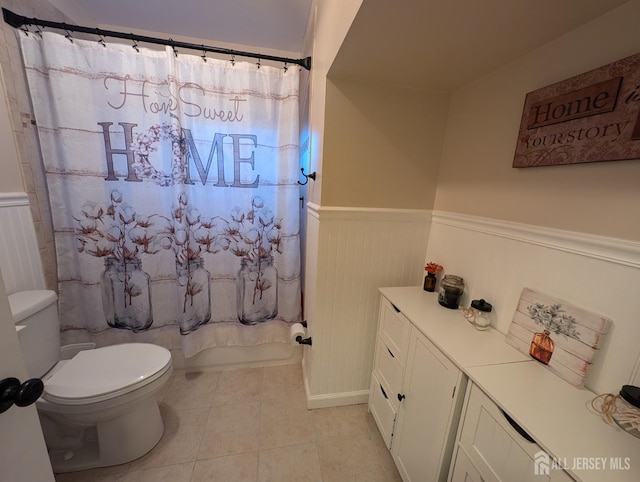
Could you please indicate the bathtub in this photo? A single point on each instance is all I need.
(232, 357)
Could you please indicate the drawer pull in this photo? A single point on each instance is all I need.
(395, 308)
(518, 428)
(384, 393)
(401, 397)
(391, 353)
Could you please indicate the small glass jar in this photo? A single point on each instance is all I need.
(481, 314)
(627, 409)
(451, 288)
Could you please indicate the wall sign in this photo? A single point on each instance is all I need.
(561, 336)
(592, 117)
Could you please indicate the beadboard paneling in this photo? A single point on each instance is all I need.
(359, 250)
(19, 255)
(497, 259)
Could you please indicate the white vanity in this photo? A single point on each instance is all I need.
(454, 403)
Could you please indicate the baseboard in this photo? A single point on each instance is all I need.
(337, 399)
(331, 399)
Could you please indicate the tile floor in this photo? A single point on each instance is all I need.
(252, 424)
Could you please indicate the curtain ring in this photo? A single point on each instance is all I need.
(25, 29)
(135, 44)
(173, 47)
(100, 38)
(286, 67)
(204, 55)
(38, 31)
(258, 63)
(233, 60)
(68, 36)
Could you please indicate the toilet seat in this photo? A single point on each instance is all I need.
(105, 373)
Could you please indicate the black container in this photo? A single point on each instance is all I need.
(451, 288)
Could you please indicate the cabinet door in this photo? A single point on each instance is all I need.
(429, 412)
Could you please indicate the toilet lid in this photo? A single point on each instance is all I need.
(92, 373)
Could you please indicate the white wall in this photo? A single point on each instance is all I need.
(382, 145)
(332, 19)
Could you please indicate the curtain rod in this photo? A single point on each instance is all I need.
(18, 21)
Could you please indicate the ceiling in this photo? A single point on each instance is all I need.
(268, 24)
(443, 44)
(427, 44)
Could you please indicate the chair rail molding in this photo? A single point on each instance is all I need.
(13, 199)
(614, 250)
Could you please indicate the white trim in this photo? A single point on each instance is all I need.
(367, 214)
(337, 399)
(613, 250)
(8, 199)
(331, 399)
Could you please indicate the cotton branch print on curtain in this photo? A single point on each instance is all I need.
(172, 184)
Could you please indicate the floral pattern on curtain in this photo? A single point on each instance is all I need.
(173, 188)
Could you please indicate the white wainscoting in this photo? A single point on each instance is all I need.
(498, 258)
(351, 252)
(19, 254)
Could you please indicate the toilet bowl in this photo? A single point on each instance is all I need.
(98, 408)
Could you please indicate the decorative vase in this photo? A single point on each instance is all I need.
(194, 295)
(257, 290)
(430, 282)
(542, 347)
(126, 295)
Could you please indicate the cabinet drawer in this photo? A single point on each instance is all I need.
(382, 410)
(388, 370)
(464, 470)
(499, 448)
(394, 329)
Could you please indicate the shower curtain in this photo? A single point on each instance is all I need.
(172, 180)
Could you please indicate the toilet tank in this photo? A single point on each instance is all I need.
(36, 317)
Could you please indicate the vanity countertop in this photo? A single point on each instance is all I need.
(450, 331)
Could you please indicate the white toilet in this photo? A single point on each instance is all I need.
(99, 407)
